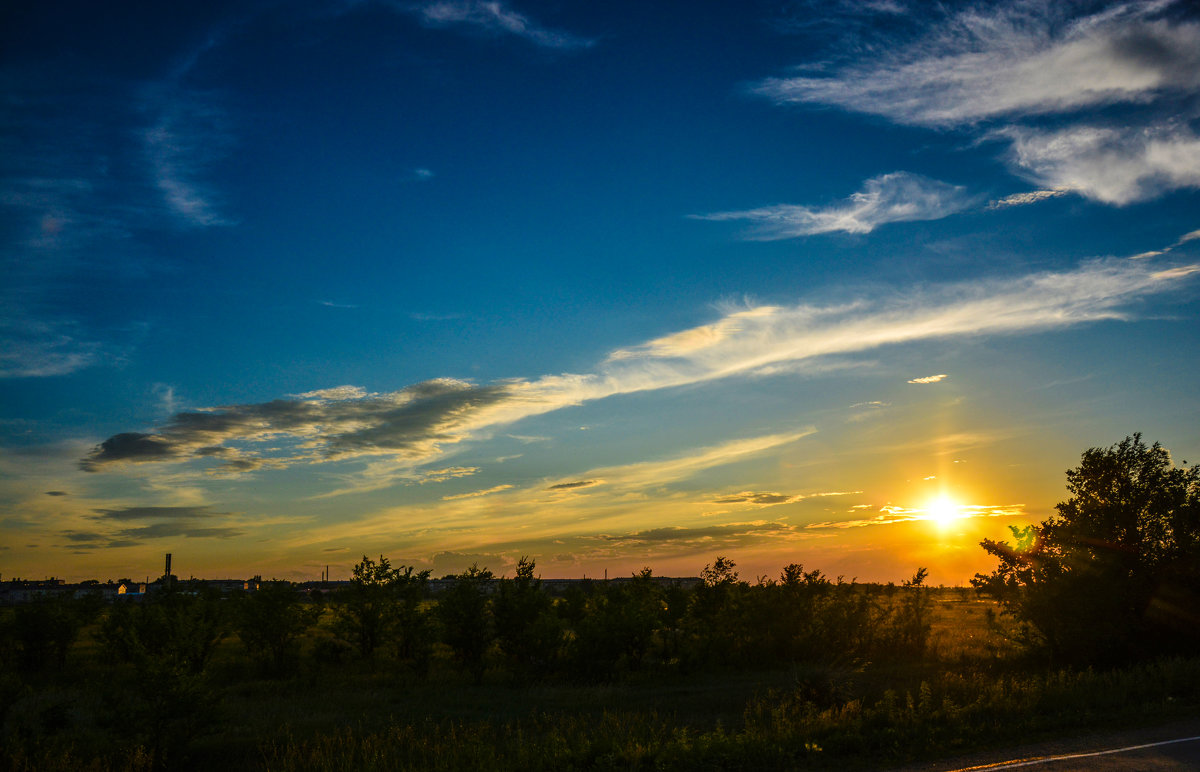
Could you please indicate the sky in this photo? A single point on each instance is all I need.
(609, 285)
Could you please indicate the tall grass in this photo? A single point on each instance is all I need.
(779, 730)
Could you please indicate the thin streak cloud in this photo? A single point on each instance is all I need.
(889, 198)
(496, 18)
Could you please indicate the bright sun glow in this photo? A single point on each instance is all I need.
(943, 509)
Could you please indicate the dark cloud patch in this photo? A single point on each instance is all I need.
(84, 536)
(573, 485)
(129, 446)
(724, 534)
(56, 493)
(189, 530)
(431, 417)
(157, 513)
(413, 422)
(762, 499)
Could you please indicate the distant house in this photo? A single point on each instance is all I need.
(131, 588)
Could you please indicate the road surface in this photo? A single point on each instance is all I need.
(1172, 748)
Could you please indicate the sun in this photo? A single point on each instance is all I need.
(943, 510)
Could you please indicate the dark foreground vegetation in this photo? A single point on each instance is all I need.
(1090, 620)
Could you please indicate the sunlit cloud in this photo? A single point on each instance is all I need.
(889, 198)
(494, 17)
(768, 499)
(478, 494)
(421, 422)
(890, 515)
(930, 379)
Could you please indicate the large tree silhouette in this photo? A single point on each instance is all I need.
(1116, 573)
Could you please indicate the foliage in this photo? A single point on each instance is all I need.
(169, 639)
(1116, 573)
(270, 622)
(177, 630)
(382, 605)
(44, 629)
(467, 620)
(616, 630)
(526, 627)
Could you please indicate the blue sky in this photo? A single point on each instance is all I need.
(610, 285)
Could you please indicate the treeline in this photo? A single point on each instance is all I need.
(598, 630)
(595, 631)
(156, 690)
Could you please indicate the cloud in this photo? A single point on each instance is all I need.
(41, 348)
(930, 378)
(187, 137)
(420, 423)
(770, 498)
(158, 513)
(890, 515)
(188, 530)
(1030, 197)
(496, 18)
(1113, 165)
(449, 473)
(477, 494)
(574, 485)
(56, 493)
(422, 174)
(895, 197)
(730, 536)
(1016, 58)
(335, 393)
(1007, 67)
(136, 524)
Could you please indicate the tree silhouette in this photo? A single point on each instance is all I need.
(1116, 573)
(270, 622)
(467, 620)
(526, 628)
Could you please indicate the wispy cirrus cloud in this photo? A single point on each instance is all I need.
(1028, 197)
(497, 18)
(418, 424)
(1004, 68)
(888, 198)
(1014, 58)
(479, 493)
(925, 379)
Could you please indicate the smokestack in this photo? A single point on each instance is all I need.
(167, 575)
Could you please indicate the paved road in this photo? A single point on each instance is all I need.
(1170, 748)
